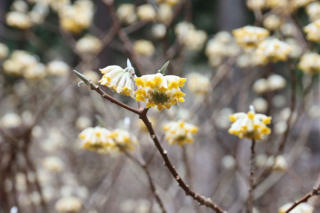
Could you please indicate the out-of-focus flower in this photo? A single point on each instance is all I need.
(260, 104)
(77, 17)
(228, 162)
(126, 13)
(221, 46)
(180, 133)
(249, 125)
(96, 139)
(83, 122)
(272, 22)
(190, 37)
(301, 208)
(3, 51)
(35, 72)
(288, 29)
(158, 31)
(273, 83)
(118, 79)
(19, 20)
(296, 49)
(68, 205)
(19, 6)
(198, 84)
(88, 45)
(273, 50)
(313, 31)
(221, 118)
(278, 163)
(250, 36)
(310, 63)
(58, 68)
(165, 13)
(256, 4)
(123, 140)
(160, 91)
(10, 120)
(313, 11)
(146, 12)
(277, 3)
(53, 164)
(39, 12)
(143, 47)
(300, 3)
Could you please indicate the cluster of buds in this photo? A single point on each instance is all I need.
(180, 133)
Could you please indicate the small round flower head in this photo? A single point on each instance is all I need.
(276, 82)
(88, 45)
(19, 20)
(10, 120)
(58, 68)
(260, 104)
(146, 12)
(123, 140)
(4, 51)
(161, 91)
(273, 50)
(143, 48)
(68, 205)
(250, 36)
(180, 133)
(165, 13)
(249, 125)
(158, 31)
(53, 164)
(272, 22)
(118, 79)
(301, 208)
(278, 163)
(313, 31)
(310, 63)
(96, 139)
(198, 84)
(256, 4)
(313, 11)
(126, 13)
(192, 38)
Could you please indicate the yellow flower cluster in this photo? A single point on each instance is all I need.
(118, 79)
(160, 91)
(76, 17)
(104, 141)
(249, 36)
(310, 63)
(273, 50)
(143, 48)
(249, 125)
(301, 208)
(313, 31)
(179, 132)
(22, 63)
(198, 84)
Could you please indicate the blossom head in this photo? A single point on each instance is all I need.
(273, 50)
(158, 90)
(313, 31)
(118, 79)
(310, 63)
(96, 139)
(249, 125)
(179, 132)
(249, 36)
(123, 140)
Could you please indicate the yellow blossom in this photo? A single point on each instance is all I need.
(273, 50)
(249, 125)
(250, 36)
(180, 133)
(160, 91)
(310, 63)
(313, 31)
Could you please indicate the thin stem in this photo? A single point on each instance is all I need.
(144, 167)
(305, 198)
(251, 178)
(200, 198)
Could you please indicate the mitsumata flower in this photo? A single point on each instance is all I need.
(96, 139)
(161, 91)
(310, 63)
(179, 132)
(250, 36)
(118, 79)
(273, 50)
(249, 125)
(123, 139)
(313, 31)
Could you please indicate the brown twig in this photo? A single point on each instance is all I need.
(305, 198)
(251, 178)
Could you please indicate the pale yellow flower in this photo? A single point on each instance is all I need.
(250, 36)
(310, 63)
(180, 133)
(313, 31)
